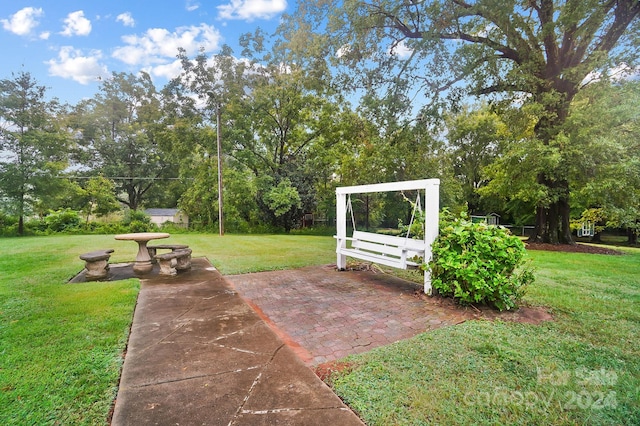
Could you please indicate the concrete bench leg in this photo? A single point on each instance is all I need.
(183, 263)
(166, 266)
(96, 269)
(152, 254)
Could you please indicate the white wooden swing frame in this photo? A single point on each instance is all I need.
(388, 250)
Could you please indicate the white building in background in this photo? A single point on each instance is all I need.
(160, 216)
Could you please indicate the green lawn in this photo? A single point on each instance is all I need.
(582, 368)
(61, 344)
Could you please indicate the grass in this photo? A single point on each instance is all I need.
(61, 344)
(582, 368)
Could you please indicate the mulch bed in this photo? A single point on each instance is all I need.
(575, 248)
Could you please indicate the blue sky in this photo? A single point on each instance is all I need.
(69, 45)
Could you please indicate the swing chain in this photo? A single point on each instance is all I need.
(417, 206)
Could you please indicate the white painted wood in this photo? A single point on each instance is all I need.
(410, 243)
(341, 230)
(406, 185)
(386, 249)
(382, 249)
(372, 257)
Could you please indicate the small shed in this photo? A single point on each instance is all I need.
(489, 218)
(160, 216)
(493, 219)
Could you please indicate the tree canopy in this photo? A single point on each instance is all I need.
(537, 54)
(118, 132)
(495, 98)
(33, 148)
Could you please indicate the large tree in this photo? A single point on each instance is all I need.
(475, 139)
(537, 53)
(607, 165)
(288, 120)
(118, 134)
(274, 118)
(33, 149)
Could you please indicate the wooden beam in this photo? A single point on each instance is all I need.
(389, 186)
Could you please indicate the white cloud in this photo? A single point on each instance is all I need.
(401, 50)
(168, 71)
(23, 21)
(158, 44)
(44, 35)
(343, 50)
(620, 72)
(126, 19)
(251, 9)
(76, 24)
(71, 64)
(192, 5)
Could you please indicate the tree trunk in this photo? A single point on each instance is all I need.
(632, 236)
(553, 224)
(21, 215)
(553, 221)
(552, 217)
(537, 236)
(564, 213)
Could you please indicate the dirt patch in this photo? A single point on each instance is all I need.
(326, 370)
(575, 248)
(524, 314)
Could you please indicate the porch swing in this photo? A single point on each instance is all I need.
(388, 250)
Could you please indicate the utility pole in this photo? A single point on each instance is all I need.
(220, 199)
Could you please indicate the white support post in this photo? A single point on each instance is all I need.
(341, 229)
(431, 219)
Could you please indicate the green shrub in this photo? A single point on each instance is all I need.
(106, 228)
(8, 225)
(140, 226)
(174, 228)
(478, 263)
(138, 221)
(62, 220)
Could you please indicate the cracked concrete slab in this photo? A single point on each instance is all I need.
(198, 354)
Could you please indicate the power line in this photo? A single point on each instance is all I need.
(123, 178)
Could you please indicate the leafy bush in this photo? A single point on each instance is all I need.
(8, 225)
(138, 221)
(139, 226)
(62, 220)
(174, 228)
(478, 263)
(107, 228)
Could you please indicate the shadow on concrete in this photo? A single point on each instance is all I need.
(117, 272)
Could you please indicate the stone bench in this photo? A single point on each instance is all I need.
(173, 247)
(176, 260)
(96, 264)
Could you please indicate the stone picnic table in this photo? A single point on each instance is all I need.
(143, 263)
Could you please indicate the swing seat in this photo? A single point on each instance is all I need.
(396, 252)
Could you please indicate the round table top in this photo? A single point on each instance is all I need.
(142, 236)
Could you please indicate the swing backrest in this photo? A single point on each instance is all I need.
(416, 246)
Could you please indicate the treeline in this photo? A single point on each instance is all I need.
(287, 142)
(328, 103)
